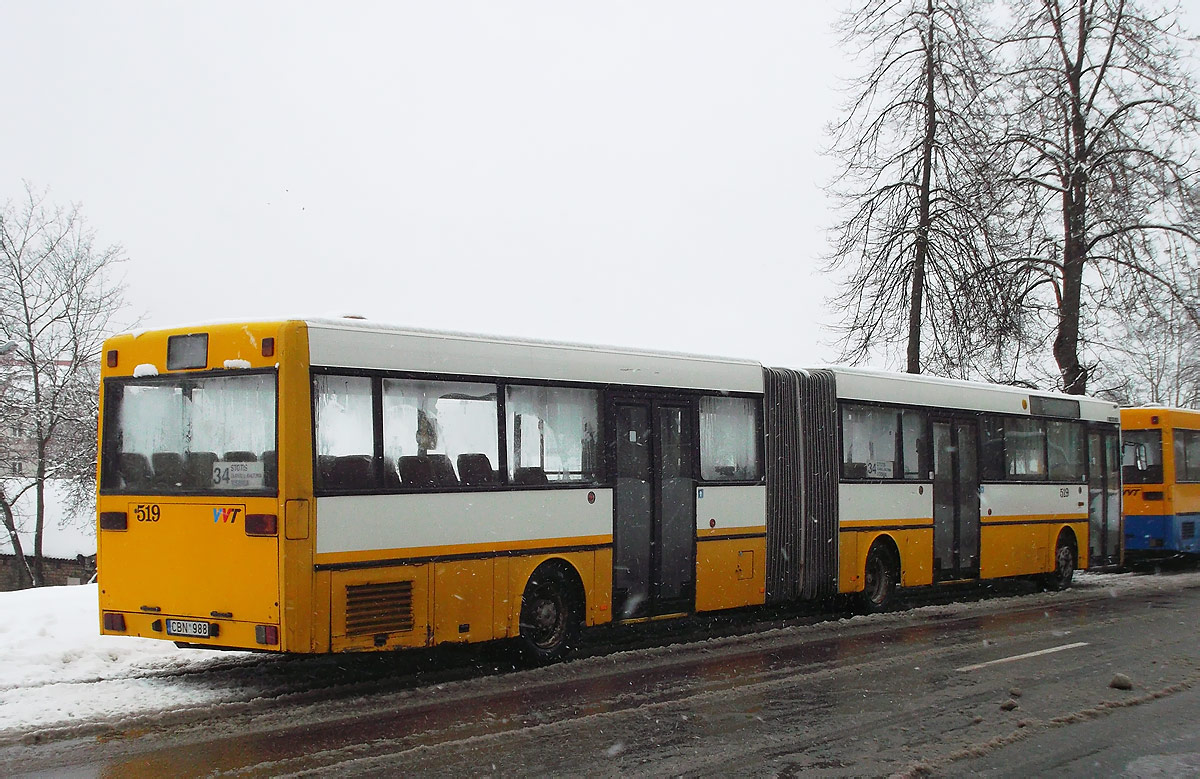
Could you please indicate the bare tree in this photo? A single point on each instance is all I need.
(919, 233)
(1102, 130)
(1151, 354)
(57, 297)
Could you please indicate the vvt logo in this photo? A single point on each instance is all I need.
(225, 515)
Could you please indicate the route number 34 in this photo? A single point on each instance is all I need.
(147, 512)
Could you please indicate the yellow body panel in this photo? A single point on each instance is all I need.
(1169, 497)
(300, 631)
(731, 573)
(1014, 548)
(347, 638)
(916, 555)
(463, 604)
(186, 563)
(196, 561)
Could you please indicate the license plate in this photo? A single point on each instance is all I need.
(187, 627)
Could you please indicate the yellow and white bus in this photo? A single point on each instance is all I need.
(340, 485)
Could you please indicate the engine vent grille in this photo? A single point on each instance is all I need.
(378, 608)
(1189, 529)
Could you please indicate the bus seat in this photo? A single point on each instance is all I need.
(530, 477)
(443, 471)
(352, 472)
(325, 467)
(854, 470)
(416, 471)
(135, 469)
(198, 469)
(168, 468)
(270, 460)
(476, 469)
(240, 456)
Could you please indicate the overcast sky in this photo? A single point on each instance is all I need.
(635, 173)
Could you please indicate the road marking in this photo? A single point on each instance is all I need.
(1052, 650)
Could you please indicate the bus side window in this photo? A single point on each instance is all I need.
(344, 432)
(729, 438)
(1187, 455)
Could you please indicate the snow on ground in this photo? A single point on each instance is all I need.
(57, 671)
(57, 668)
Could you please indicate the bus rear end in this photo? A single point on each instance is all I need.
(190, 520)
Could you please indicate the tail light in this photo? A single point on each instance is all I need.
(267, 635)
(262, 525)
(114, 622)
(113, 520)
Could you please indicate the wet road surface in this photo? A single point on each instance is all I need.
(1003, 685)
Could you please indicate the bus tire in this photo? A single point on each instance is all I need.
(1065, 558)
(881, 575)
(551, 615)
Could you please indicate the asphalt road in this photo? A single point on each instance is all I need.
(1007, 684)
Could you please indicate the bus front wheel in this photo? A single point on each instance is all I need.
(551, 616)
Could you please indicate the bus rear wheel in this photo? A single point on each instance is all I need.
(1064, 565)
(551, 616)
(880, 577)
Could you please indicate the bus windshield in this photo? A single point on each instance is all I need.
(1141, 462)
(190, 435)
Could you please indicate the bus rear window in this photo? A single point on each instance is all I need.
(174, 434)
(1141, 461)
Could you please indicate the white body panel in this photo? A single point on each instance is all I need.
(868, 504)
(361, 345)
(1031, 500)
(359, 523)
(731, 507)
(908, 389)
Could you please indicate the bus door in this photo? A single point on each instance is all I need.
(652, 454)
(955, 499)
(1104, 498)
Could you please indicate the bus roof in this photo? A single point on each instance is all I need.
(354, 343)
(923, 390)
(1160, 416)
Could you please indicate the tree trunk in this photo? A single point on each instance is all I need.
(917, 290)
(25, 578)
(1075, 194)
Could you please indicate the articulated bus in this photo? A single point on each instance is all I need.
(1161, 473)
(339, 485)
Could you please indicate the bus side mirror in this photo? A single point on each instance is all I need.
(1140, 457)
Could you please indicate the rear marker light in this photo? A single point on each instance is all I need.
(267, 635)
(112, 358)
(114, 622)
(262, 525)
(113, 520)
(268, 347)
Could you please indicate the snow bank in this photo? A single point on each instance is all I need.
(57, 667)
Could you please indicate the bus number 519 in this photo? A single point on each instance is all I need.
(146, 512)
